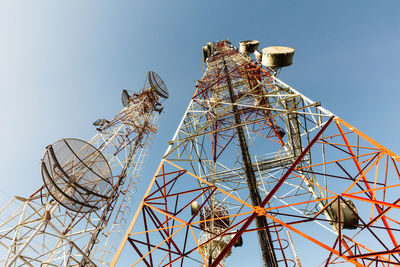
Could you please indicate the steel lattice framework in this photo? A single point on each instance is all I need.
(38, 231)
(305, 161)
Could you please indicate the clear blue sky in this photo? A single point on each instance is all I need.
(63, 64)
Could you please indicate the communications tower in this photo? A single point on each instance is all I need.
(82, 207)
(254, 157)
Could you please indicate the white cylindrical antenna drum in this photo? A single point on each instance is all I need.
(248, 46)
(348, 214)
(210, 48)
(194, 207)
(206, 53)
(277, 56)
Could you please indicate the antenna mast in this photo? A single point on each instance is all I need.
(252, 154)
(74, 218)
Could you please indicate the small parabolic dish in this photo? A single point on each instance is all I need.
(77, 175)
(157, 84)
(125, 98)
(100, 122)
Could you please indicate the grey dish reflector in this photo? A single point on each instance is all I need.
(100, 122)
(77, 175)
(157, 84)
(125, 98)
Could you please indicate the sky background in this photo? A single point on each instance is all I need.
(63, 64)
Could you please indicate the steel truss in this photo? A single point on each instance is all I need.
(305, 159)
(38, 231)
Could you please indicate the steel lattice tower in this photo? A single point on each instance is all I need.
(74, 218)
(253, 154)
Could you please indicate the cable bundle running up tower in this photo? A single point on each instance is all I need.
(74, 218)
(253, 155)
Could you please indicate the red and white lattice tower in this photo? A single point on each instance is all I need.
(253, 155)
(82, 207)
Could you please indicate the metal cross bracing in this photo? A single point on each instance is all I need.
(319, 181)
(40, 231)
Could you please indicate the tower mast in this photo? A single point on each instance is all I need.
(264, 237)
(73, 219)
(252, 154)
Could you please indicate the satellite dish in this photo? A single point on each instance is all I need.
(77, 175)
(100, 122)
(157, 84)
(125, 98)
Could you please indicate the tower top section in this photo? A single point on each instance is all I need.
(273, 57)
